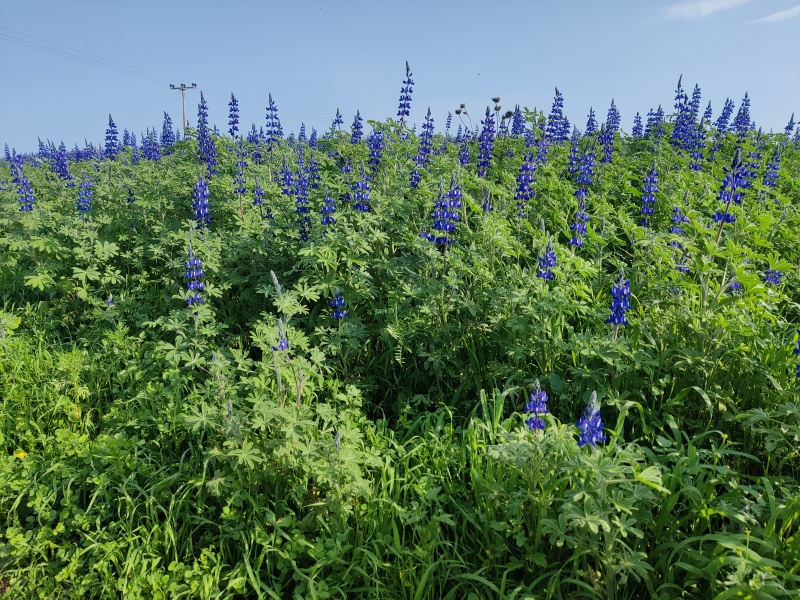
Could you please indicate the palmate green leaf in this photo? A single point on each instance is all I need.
(42, 281)
(247, 455)
(83, 275)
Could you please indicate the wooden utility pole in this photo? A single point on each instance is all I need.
(183, 87)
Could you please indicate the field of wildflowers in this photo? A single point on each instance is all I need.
(508, 359)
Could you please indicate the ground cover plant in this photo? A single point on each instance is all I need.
(502, 359)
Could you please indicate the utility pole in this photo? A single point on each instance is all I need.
(183, 87)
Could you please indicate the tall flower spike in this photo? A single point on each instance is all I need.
(487, 144)
(797, 351)
(591, 425)
(112, 145)
(167, 134)
(207, 151)
(620, 301)
(724, 117)
(361, 192)
(194, 275)
(789, 126)
(537, 406)
(546, 263)
(375, 144)
(24, 191)
(358, 128)
(742, 123)
(637, 130)
(233, 116)
(649, 195)
(404, 109)
(591, 122)
(517, 122)
(274, 130)
(328, 209)
(732, 183)
(338, 304)
(200, 205)
(338, 121)
(85, 196)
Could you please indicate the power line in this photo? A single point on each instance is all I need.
(68, 52)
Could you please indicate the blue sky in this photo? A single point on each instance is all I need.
(67, 64)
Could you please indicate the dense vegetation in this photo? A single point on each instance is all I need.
(352, 366)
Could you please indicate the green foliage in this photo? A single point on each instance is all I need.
(156, 449)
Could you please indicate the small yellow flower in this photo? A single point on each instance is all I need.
(20, 453)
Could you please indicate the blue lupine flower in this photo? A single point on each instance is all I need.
(361, 192)
(733, 181)
(487, 144)
(24, 190)
(772, 277)
(697, 143)
(789, 126)
(620, 301)
(167, 134)
(301, 200)
(337, 122)
(258, 194)
(681, 266)
(358, 128)
(150, 147)
(85, 196)
(404, 109)
(375, 144)
(591, 122)
(655, 123)
(312, 139)
(525, 180)
(327, 210)
(517, 122)
(725, 116)
(613, 117)
(200, 205)
(546, 263)
(770, 179)
(463, 153)
(606, 139)
(797, 351)
(678, 218)
(112, 145)
(207, 151)
(537, 405)
(734, 288)
(301, 137)
(694, 104)
(574, 160)
(233, 116)
(447, 124)
(649, 195)
(195, 274)
(708, 113)
(426, 139)
(61, 167)
(637, 130)
(742, 123)
(274, 131)
(338, 304)
(591, 424)
(445, 214)
(555, 121)
(283, 342)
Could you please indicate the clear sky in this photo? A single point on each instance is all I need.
(67, 64)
